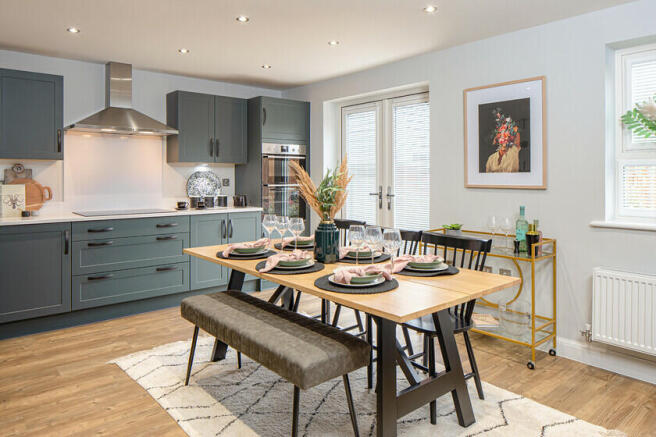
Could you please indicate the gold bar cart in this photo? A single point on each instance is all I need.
(542, 327)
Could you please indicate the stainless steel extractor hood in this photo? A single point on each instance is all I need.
(118, 117)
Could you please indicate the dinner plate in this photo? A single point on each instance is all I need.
(380, 280)
(439, 268)
(260, 252)
(304, 266)
(362, 256)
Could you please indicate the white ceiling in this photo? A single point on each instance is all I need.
(290, 35)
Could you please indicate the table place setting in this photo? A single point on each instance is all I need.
(423, 266)
(247, 251)
(370, 279)
(293, 243)
(290, 263)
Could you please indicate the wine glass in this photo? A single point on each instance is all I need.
(507, 228)
(269, 224)
(493, 225)
(356, 238)
(296, 227)
(282, 223)
(392, 242)
(373, 236)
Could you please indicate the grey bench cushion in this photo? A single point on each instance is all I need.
(302, 350)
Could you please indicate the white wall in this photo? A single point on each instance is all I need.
(572, 55)
(105, 171)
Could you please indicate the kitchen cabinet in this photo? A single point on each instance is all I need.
(215, 229)
(31, 115)
(35, 271)
(211, 128)
(285, 120)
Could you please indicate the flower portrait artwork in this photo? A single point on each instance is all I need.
(504, 135)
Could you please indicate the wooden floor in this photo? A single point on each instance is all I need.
(58, 383)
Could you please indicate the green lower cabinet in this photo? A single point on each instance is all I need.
(126, 285)
(244, 226)
(207, 230)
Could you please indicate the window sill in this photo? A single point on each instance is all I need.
(624, 225)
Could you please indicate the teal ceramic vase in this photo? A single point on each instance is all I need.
(326, 242)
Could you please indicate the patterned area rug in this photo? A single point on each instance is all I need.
(252, 401)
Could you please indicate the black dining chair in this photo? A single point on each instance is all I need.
(464, 252)
(411, 240)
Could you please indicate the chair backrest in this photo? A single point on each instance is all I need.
(343, 225)
(472, 252)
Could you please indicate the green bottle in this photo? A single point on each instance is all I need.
(521, 227)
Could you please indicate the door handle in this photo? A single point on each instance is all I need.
(166, 225)
(103, 243)
(110, 229)
(389, 198)
(223, 229)
(211, 146)
(380, 196)
(168, 237)
(216, 144)
(59, 138)
(230, 228)
(98, 278)
(166, 269)
(263, 116)
(67, 242)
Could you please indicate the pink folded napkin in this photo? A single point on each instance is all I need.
(402, 261)
(289, 241)
(296, 255)
(343, 275)
(343, 251)
(248, 245)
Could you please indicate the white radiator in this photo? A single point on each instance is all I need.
(624, 310)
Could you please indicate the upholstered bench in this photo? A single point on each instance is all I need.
(300, 349)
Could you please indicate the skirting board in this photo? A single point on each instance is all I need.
(609, 358)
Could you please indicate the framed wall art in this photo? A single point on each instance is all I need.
(505, 135)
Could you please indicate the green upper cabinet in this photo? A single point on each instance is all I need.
(285, 120)
(212, 128)
(31, 115)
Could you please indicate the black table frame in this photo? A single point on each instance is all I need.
(390, 404)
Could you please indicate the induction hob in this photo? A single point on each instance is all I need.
(120, 212)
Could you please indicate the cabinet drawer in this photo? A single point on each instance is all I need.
(124, 253)
(103, 229)
(126, 285)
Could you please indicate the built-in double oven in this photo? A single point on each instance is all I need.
(280, 193)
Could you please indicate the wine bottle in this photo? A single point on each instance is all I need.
(521, 227)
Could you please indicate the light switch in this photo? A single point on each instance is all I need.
(225, 182)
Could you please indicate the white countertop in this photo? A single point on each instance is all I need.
(68, 216)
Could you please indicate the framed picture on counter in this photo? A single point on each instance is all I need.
(505, 135)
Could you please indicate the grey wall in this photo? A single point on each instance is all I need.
(572, 55)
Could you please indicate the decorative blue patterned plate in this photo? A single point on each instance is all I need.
(203, 183)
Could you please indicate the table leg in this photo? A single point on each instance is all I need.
(236, 281)
(452, 363)
(386, 378)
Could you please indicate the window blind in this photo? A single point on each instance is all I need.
(638, 185)
(643, 88)
(411, 166)
(360, 141)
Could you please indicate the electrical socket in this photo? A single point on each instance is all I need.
(505, 272)
(225, 182)
(487, 269)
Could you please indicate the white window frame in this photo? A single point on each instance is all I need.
(384, 104)
(624, 151)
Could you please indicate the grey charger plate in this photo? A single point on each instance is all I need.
(264, 255)
(317, 267)
(450, 271)
(325, 284)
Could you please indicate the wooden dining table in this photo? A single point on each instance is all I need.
(414, 297)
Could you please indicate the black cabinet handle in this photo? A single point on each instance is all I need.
(216, 142)
(102, 243)
(230, 228)
(59, 138)
(67, 242)
(168, 237)
(263, 116)
(166, 225)
(223, 229)
(99, 278)
(211, 146)
(166, 269)
(110, 229)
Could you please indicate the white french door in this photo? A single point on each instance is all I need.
(388, 147)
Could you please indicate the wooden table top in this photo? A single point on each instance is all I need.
(415, 296)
